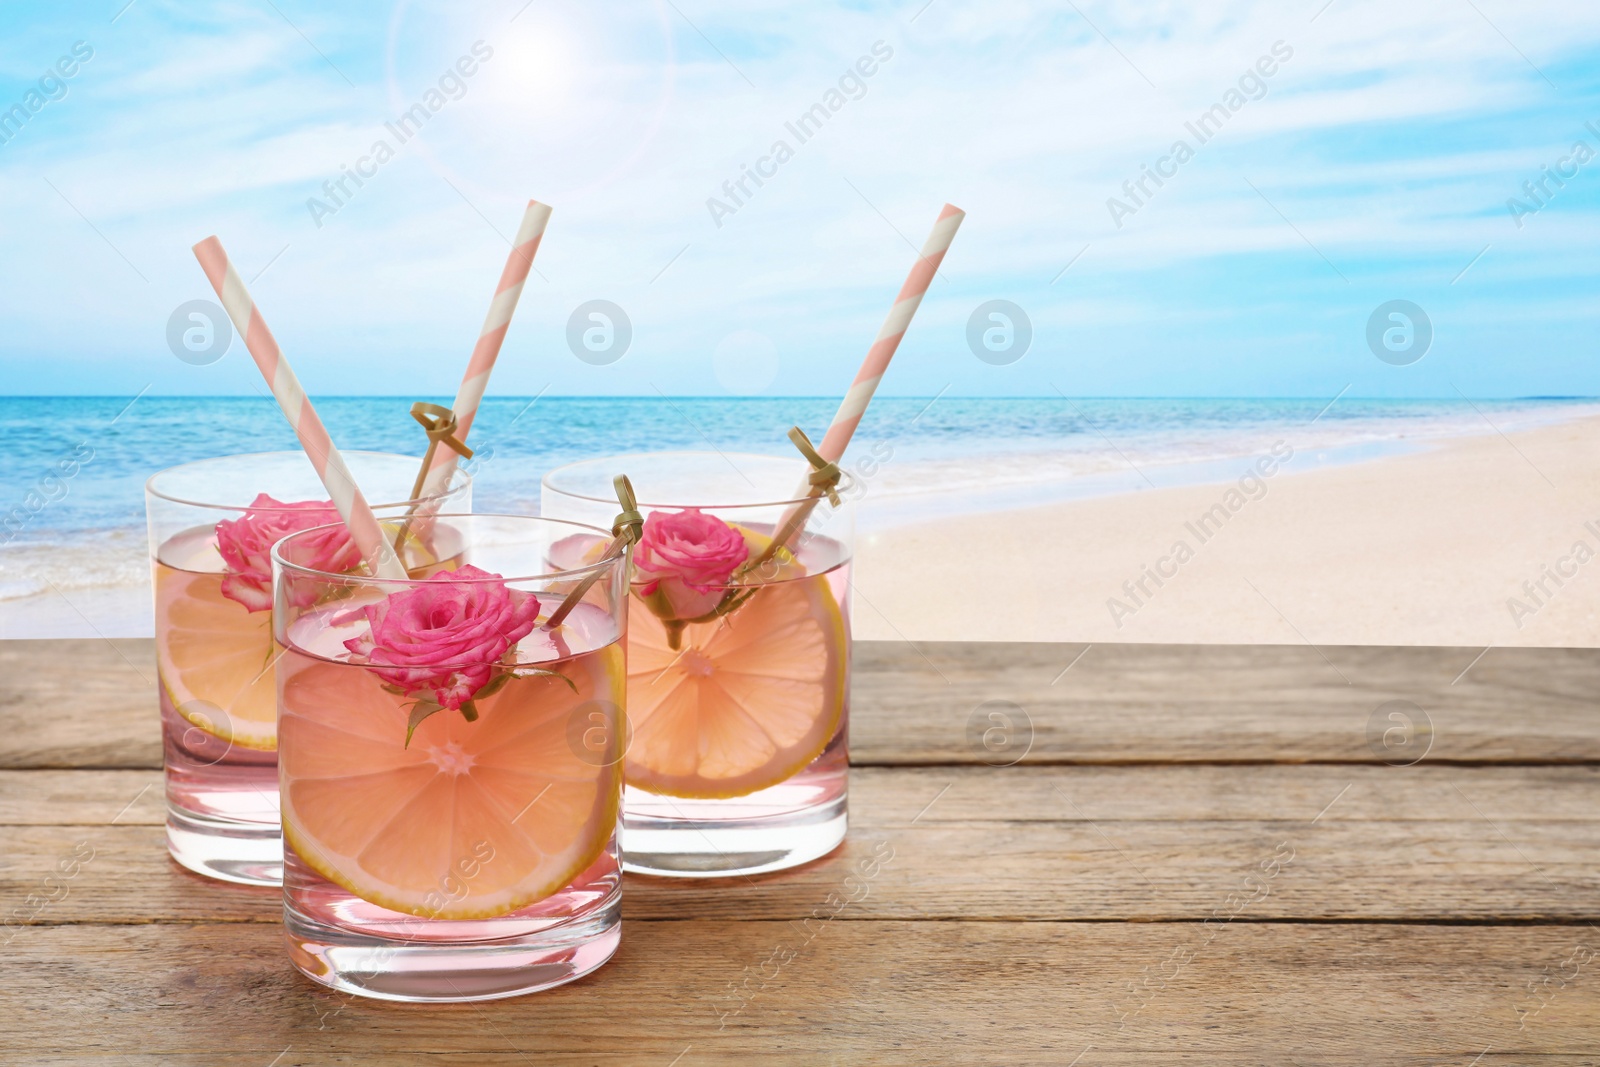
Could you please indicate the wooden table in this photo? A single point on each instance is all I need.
(1207, 854)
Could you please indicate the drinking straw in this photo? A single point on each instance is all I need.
(492, 336)
(291, 397)
(894, 328)
(854, 405)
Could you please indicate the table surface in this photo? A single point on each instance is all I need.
(1207, 854)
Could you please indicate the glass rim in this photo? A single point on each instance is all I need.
(459, 479)
(619, 464)
(598, 567)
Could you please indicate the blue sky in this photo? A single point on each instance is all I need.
(1374, 163)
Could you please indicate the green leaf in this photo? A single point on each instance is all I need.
(539, 672)
(492, 686)
(420, 711)
(734, 599)
(469, 711)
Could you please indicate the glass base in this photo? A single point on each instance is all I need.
(691, 843)
(488, 969)
(247, 853)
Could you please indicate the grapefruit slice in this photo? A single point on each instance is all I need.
(213, 654)
(470, 820)
(745, 702)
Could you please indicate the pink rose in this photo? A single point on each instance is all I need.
(687, 557)
(441, 639)
(246, 546)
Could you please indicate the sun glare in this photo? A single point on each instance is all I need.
(534, 64)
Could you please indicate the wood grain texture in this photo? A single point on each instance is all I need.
(918, 703)
(88, 703)
(899, 795)
(1274, 703)
(1161, 878)
(699, 992)
(1056, 843)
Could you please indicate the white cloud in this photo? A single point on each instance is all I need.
(1391, 138)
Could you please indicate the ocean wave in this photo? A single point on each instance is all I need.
(90, 560)
(917, 459)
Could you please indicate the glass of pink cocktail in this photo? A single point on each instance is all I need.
(449, 755)
(212, 526)
(738, 658)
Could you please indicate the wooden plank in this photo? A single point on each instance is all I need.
(1025, 843)
(81, 798)
(79, 703)
(510, 1058)
(130, 960)
(1041, 871)
(925, 703)
(888, 796)
(1161, 703)
(702, 992)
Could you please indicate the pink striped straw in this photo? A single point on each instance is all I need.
(854, 405)
(882, 351)
(291, 397)
(492, 336)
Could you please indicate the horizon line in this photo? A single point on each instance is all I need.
(1459, 398)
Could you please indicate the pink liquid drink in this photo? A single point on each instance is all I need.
(212, 525)
(450, 769)
(738, 664)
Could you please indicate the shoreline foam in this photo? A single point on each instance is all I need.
(927, 505)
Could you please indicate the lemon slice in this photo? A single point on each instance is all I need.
(469, 820)
(216, 659)
(745, 701)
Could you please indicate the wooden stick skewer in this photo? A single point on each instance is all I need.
(625, 532)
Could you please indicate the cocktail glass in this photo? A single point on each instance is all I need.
(738, 660)
(450, 765)
(212, 523)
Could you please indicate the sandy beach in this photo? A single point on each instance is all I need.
(1465, 540)
(1429, 548)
